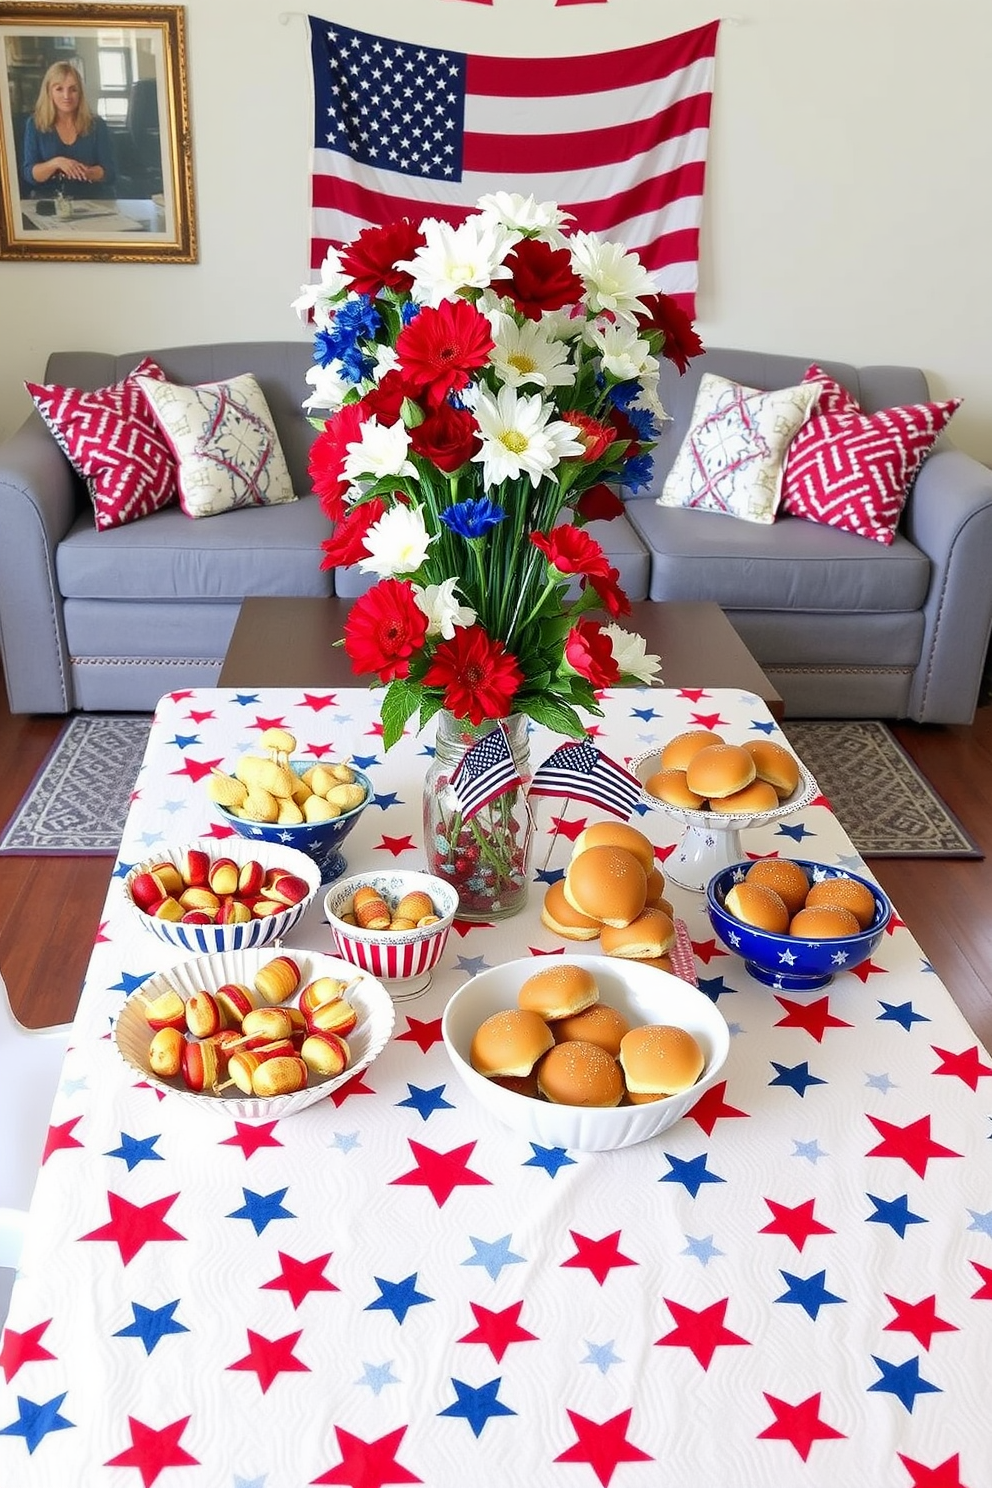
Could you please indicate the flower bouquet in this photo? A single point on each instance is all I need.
(479, 389)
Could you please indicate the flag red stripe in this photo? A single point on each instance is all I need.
(539, 77)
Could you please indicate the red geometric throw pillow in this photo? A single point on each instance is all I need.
(853, 470)
(112, 440)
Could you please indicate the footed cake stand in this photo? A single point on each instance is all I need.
(712, 839)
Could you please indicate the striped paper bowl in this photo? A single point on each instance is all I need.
(397, 955)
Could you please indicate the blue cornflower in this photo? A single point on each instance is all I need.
(622, 394)
(408, 312)
(325, 348)
(637, 473)
(355, 365)
(643, 421)
(357, 317)
(473, 518)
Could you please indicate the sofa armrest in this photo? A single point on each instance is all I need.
(949, 517)
(38, 491)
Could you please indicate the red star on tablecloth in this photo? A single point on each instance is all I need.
(815, 1016)
(895, 923)
(132, 1226)
(196, 770)
(967, 1065)
(664, 853)
(270, 1357)
(318, 750)
(198, 716)
(694, 694)
(711, 1108)
(463, 927)
(821, 800)
(23, 1348)
(378, 730)
(424, 1035)
(701, 1332)
(355, 1086)
(441, 1172)
(551, 951)
(569, 829)
(151, 1451)
(100, 938)
(300, 1278)
(912, 1143)
(598, 1256)
(318, 701)
(709, 720)
(799, 1424)
(395, 845)
(946, 1475)
(250, 1136)
(266, 723)
(177, 697)
(984, 1293)
(218, 830)
(867, 969)
(797, 1222)
(918, 1318)
(60, 1138)
(603, 1444)
(705, 950)
(368, 1464)
(497, 1330)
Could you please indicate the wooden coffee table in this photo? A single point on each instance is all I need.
(289, 643)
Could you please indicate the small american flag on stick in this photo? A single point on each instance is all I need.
(484, 773)
(583, 773)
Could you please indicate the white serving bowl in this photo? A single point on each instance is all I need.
(394, 955)
(644, 995)
(210, 939)
(366, 1041)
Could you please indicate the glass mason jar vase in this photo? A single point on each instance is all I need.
(487, 858)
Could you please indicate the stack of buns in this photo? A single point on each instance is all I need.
(776, 895)
(614, 892)
(562, 1044)
(700, 771)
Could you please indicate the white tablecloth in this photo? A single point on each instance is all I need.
(791, 1286)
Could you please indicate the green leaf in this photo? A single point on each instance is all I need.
(399, 704)
(553, 714)
(430, 703)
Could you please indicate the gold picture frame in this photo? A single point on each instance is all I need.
(96, 160)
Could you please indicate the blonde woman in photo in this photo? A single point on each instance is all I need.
(67, 149)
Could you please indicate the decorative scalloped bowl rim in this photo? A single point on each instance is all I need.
(643, 766)
(393, 884)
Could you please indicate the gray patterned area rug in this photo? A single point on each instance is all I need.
(77, 806)
(886, 806)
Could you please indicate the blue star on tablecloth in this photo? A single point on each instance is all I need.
(121, 870)
(763, 728)
(549, 875)
(796, 1076)
(714, 987)
(129, 983)
(981, 1222)
(551, 1159)
(797, 833)
(426, 1101)
(240, 1482)
(245, 699)
(702, 1249)
(135, 1150)
(344, 1141)
(365, 761)
(184, 741)
(493, 1255)
(904, 1381)
(811, 1151)
(472, 965)
(385, 800)
(902, 1013)
(895, 1213)
(36, 1419)
(809, 1292)
(691, 1172)
(881, 1083)
(261, 1209)
(477, 1403)
(397, 1297)
(151, 1324)
(645, 714)
(150, 838)
(602, 1355)
(377, 1376)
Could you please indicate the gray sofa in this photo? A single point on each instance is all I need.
(108, 621)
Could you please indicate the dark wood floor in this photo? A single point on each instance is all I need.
(50, 907)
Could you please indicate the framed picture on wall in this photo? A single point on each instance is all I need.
(95, 149)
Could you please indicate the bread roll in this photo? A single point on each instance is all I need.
(670, 786)
(655, 886)
(607, 883)
(679, 751)
(848, 894)
(755, 904)
(509, 1043)
(776, 764)
(617, 834)
(651, 934)
(659, 1059)
(578, 1073)
(758, 796)
(558, 990)
(558, 915)
(719, 770)
(824, 922)
(599, 1024)
(784, 876)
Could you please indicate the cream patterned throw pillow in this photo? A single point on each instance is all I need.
(222, 435)
(732, 458)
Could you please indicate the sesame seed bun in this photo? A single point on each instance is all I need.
(608, 883)
(719, 770)
(509, 1043)
(616, 834)
(658, 1059)
(824, 922)
(679, 751)
(848, 894)
(670, 786)
(599, 1024)
(651, 934)
(756, 904)
(776, 764)
(558, 990)
(558, 915)
(784, 876)
(655, 886)
(756, 797)
(578, 1073)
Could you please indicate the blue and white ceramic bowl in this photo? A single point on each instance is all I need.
(787, 962)
(321, 841)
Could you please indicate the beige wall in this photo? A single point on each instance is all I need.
(848, 207)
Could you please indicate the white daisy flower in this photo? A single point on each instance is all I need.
(329, 388)
(613, 276)
(397, 543)
(526, 214)
(440, 604)
(451, 259)
(648, 398)
(386, 360)
(318, 299)
(519, 436)
(526, 354)
(630, 655)
(622, 352)
(380, 450)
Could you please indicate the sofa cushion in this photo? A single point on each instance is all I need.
(791, 565)
(733, 453)
(111, 438)
(261, 550)
(225, 444)
(852, 469)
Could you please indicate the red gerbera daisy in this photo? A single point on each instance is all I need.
(383, 630)
(479, 676)
(542, 278)
(327, 456)
(440, 347)
(611, 596)
(347, 542)
(372, 258)
(572, 551)
(589, 651)
(594, 437)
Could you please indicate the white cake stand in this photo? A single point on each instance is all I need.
(712, 839)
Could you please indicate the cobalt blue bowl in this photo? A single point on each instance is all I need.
(321, 841)
(787, 962)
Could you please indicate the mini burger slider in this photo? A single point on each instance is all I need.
(509, 1043)
(559, 991)
(608, 883)
(659, 1060)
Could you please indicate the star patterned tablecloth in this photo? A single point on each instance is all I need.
(791, 1287)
